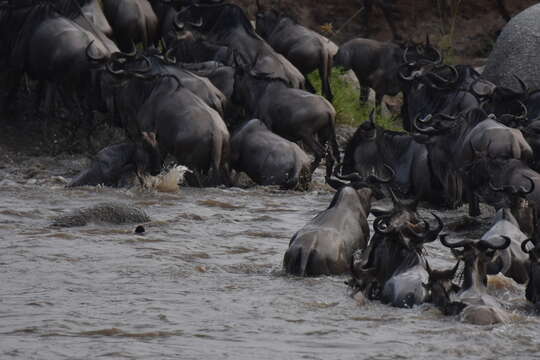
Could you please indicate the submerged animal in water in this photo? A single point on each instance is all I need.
(110, 213)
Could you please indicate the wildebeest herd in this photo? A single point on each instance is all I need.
(214, 93)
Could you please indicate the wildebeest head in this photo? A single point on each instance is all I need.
(404, 225)
(421, 53)
(532, 292)
(357, 181)
(506, 104)
(440, 288)
(477, 255)
(205, 15)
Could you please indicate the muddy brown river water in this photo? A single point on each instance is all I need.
(204, 282)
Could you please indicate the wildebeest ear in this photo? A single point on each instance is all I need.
(483, 87)
(378, 211)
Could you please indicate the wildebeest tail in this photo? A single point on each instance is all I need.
(325, 70)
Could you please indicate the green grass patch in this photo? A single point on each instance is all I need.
(346, 102)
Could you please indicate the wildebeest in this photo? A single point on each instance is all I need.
(532, 292)
(116, 164)
(392, 267)
(304, 48)
(471, 301)
(291, 113)
(268, 158)
(227, 25)
(45, 42)
(162, 64)
(432, 90)
(512, 261)
(373, 147)
(389, 11)
(133, 21)
(326, 244)
(185, 126)
(453, 144)
(222, 76)
(376, 64)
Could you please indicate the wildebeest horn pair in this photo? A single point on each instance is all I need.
(514, 190)
(436, 127)
(495, 243)
(357, 181)
(428, 235)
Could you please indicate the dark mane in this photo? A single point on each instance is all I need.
(230, 17)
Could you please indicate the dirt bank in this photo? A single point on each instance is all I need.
(466, 29)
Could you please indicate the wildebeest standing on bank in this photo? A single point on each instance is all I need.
(376, 64)
(268, 158)
(432, 90)
(291, 113)
(185, 126)
(304, 48)
(133, 21)
(228, 25)
(44, 41)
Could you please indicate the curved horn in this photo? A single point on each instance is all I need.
(93, 58)
(431, 235)
(524, 191)
(461, 243)
(169, 57)
(524, 245)
(114, 71)
(403, 76)
(130, 55)
(524, 87)
(430, 130)
(197, 24)
(377, 179)
(178, 25)
(495, 246)
(378, 228)
(454, 72)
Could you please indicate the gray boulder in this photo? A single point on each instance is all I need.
(110, 213)
(517, 52)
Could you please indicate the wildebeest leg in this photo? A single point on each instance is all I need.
(325, 71)
(316, 148)
(378, 101)
(309, 86)
(364, 95)
(387, 9)
(13, 81)
(502, 10)
(474, 204)
(368, 4)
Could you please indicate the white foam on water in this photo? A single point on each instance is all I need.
(168, 181)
